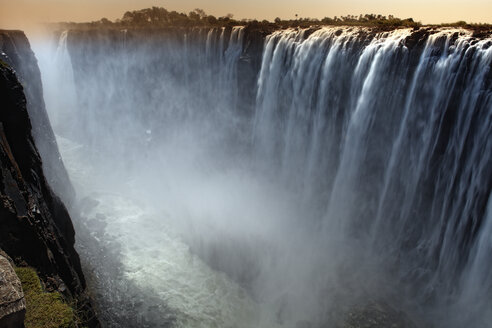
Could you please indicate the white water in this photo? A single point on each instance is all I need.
(153, 255)
(360, 175)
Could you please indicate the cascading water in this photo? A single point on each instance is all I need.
(411, 169)
(363, 171)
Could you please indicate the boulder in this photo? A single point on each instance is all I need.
(12, 302)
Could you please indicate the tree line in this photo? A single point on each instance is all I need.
(160, 17)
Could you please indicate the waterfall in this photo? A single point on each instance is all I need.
(61, 83)
(410, 144)
(363, 170)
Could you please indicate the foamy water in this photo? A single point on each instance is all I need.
(153, 256)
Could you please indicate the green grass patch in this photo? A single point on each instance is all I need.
(43, 310)
(4, 64)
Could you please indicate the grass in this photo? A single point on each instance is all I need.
(4, 64)
(43, 310)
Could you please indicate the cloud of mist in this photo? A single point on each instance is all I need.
(156, 123)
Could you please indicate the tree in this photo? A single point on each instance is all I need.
(211, 20)
(200, 12)
(194, 16)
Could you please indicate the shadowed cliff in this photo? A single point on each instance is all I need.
(35, 227)
(17, 53)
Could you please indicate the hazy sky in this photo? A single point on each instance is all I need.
(23, 13)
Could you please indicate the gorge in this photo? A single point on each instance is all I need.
(247, 177)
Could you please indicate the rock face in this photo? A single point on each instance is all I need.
(376, 315)
(35, 227)
(12, 302)
(17, 53)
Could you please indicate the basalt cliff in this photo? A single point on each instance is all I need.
(35, 227)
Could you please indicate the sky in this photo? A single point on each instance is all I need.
(25, 14)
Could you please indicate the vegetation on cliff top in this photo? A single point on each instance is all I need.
(43, 310)
(161, 17)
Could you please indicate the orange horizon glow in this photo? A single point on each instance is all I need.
(28, 14)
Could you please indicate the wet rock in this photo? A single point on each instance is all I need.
(376, 315)
(16, 52)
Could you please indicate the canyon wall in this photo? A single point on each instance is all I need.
(35, 227)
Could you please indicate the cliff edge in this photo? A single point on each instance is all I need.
(35, 227)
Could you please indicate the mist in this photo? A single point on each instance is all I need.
(219, 189)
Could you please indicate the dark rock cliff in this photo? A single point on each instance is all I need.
(35, 227)
(16, 52)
